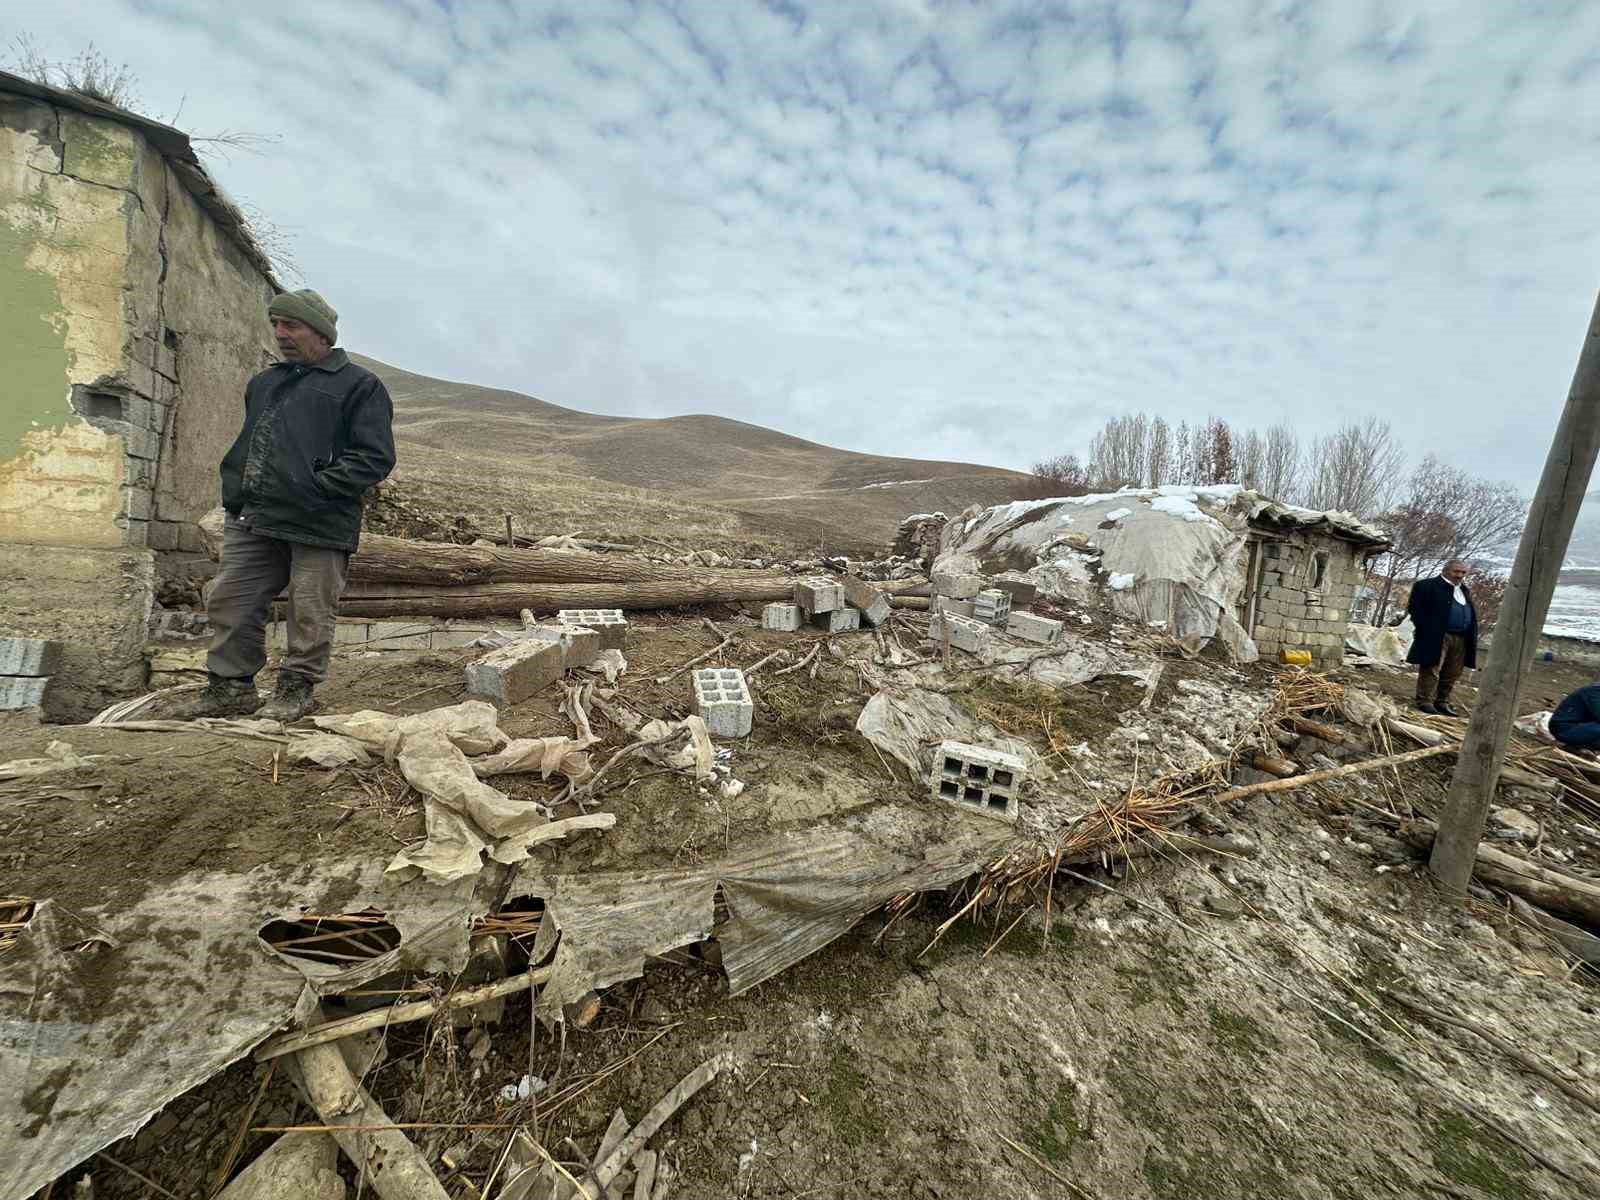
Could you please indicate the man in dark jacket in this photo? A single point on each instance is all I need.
(1576, 720)
(1446, 636)
(317, 434)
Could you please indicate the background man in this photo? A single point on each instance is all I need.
(317, 434)
(1446, 635)
(1576, 720)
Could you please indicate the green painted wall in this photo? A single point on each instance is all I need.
(33, 343)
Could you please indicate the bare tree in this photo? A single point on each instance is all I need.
(1183, 455)
(1219, 442)
(1252, 453)
(1160, 459)
(1354, 469)
(1065, 473)
(1280, 464)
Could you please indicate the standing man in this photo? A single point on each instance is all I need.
(1445, 638)
(317, 434)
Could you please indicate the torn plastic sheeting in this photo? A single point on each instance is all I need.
(695, 753)
(609, 663)
(58, 756)
(788, 897)
(907, 725)
(546, 755)
(471, 727)
(1386, 644)
(328, 750)
(96, 1043)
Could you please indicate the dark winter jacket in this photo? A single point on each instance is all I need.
(1429, 607)
(1581, 707)
(315, 438)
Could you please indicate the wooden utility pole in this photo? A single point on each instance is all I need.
(1522, 613)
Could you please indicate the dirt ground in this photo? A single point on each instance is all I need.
(1189, 1025)
(1545, 685)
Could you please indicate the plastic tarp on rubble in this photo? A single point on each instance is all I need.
(105, 1017)
(1174, 556)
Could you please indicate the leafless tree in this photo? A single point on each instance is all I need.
(1183, 464)
(1280, 464)
(1219, 443)
(1119, 453)
(1355, 468)
(1252, 454)
(1161, 455)
(1063, 475)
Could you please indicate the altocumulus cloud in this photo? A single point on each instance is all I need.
(935, 229)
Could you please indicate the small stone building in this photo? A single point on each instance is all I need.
(134, 300)
(1304, 570)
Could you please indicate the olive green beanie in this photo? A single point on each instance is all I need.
(309, 308)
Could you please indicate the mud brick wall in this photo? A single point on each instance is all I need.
(1303, 600)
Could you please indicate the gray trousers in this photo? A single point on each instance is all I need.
(254, 570)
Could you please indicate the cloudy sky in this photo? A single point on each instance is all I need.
(948, 230)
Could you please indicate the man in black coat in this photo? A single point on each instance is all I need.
(1446, 636)
(317, 434)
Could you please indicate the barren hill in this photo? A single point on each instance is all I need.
(483, 451)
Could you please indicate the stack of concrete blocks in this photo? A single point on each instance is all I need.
(870, 601)
(1307, 587)
(822, 601)
(961, 608)
(838, 620)
(512, 673)
(609, 623)
(26, 665)
(580, 645)
(784, 618)
(977, 779)
(722, 699)
(992, 606)
(1031, 627)
(964, 632)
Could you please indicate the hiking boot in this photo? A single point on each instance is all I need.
(223, 698)
(1444, 710)
(291, 699)
(1425, 707)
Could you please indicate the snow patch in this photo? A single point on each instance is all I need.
(1122, 582)
(1116, 514)
(1180, 506)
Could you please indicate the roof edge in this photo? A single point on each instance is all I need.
(175, 147)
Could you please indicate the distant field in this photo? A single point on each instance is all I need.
(708, 481)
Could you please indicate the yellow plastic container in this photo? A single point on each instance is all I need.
(1295, 658)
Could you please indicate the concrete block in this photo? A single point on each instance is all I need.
(977, 779)
(512, 673)
(142, 443)
(991, 606)
(957, 587)
(189, 539)
(961, 608)
(609, 623)
(874, 605)
(838, 620)
(1031, 627)
(28, 656)
(19, 693)
(1021, 591)
(965, 633)
(162, 535)
(722, 698)
(785, 618)
(819, 594)
(580, 644)
(355, 633)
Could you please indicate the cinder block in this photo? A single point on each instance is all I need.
(512, 673)
(580, 644)
(352, 633)
(838, 620)
(21, 692)
(977, 779)
(785, 618)
(609, 623)
(28, 656)
(1033, 628)
(965, 633)
(722, 698)
(819, 594)
(991, 606)
(874, 605)
(142, 443)
(1021, 591)
(961, 608)
(958, 587)
(162, 535)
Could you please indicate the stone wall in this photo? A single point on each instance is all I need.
(1303, 600)
(129, 325)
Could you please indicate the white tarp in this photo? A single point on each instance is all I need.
(1170, 556)
(1383, 643)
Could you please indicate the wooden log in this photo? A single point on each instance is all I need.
(399, 1014)
(1318, 730)
(918, 602)
(1579, 943)
(1294, 781)
(1562, 486)
(1281, 767)
(391, 1162)
(1515, 776)
(1538, 885)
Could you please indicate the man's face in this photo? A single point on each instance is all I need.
(1455, 573)
(297, 341)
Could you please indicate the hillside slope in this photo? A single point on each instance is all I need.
(483, 452)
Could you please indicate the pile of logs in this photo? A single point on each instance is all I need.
(399, 577)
